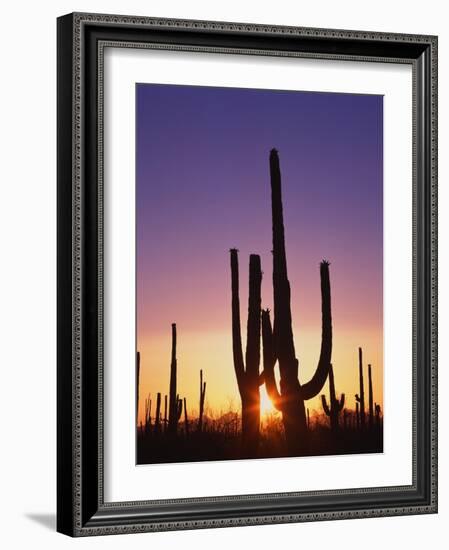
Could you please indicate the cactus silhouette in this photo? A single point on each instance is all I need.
(137, 384)
(357, 415)
(378, 410)
(165, 413)
(178, 408)
(157, 419)
(186, 418)
(361, 398)
(308, 419)
(247, 372)
(335, 407)
(278, 342)
(370, 399)
(148, 413)
(202, 397)
(173, 415)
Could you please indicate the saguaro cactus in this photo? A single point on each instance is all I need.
(178, 408)
(157, 419)
(278, 343)
(361, 398)
(186, 418)
(378, 410)
(247, 372)
(335, 407)
(148, 413)
(370, 399)
(357, 415)
(173, 415)
(137, 385)
(202, 398)
(165, 413)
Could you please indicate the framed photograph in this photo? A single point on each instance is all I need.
(247, 274)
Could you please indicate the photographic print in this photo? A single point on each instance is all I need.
(259, 266)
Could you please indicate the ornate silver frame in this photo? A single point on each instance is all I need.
(81, 42)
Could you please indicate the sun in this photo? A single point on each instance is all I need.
(266, 406)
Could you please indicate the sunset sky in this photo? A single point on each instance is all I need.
(203, 187)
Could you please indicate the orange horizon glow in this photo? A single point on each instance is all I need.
(212, 353)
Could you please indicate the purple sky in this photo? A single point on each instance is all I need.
(203, 187)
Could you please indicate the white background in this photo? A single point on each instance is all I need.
(27, 300)
(123, 481)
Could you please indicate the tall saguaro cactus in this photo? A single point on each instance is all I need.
(335, 407)
(173, 416)
(202, 398)
(247, 372)
(370, 399)
(278, 342)
(361, 398)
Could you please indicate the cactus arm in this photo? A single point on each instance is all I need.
(269, 361)
(253, 324)
(236, 328)
(325, 406)
(315, 385)
(357, 398)
(342, 402)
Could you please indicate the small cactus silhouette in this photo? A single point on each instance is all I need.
(370, 399)
(335, 407)
(157, 419)
(361, 398)
(137, 384)
(202, 398)
(178, 408)
(186, 418)
(378, 411)
(148, 413)
(175, 405)
(357, 414)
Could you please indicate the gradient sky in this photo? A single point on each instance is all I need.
(203, 187)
